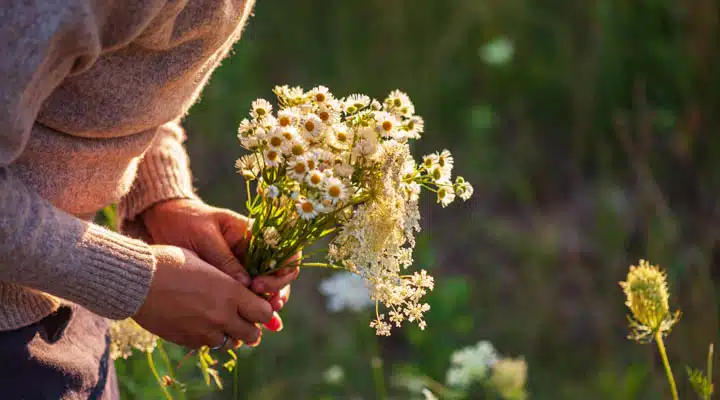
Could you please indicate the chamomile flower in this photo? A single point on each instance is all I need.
(463, 189)
(399, 104)
(287, 117)
(249, 166)
(321, 94)
(355, 102)
(273, 157)
(307, 209)
(327, 114)
(445, 195)
(315, 178)
(334, 190)
(414, 126)
(439, 175)
(260, 108)
(295, 147)
(275, 139)
(288, 132)
(386, 124)
(271, 192)
(445, 160)
(297, 168)
(311, 126)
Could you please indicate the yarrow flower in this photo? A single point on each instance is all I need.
(471, 364)
(346, 291)
(646, 292)
(127, 335)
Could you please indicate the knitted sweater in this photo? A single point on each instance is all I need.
(90, 95)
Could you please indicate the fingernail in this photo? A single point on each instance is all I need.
(275, 324)
(243, 278)
(255, 343)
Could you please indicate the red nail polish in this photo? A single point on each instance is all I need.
(275, 324)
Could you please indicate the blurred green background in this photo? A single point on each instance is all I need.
(590, 131)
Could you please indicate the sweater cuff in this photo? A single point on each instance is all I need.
(161, 176)
(116, 272)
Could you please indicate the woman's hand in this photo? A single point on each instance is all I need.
(219, 236)
(194, 304)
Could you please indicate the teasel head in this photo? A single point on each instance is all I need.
(647, 295)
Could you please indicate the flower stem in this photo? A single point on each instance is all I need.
(666, 363)
(151, 362)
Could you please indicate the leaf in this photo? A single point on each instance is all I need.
(703, 388)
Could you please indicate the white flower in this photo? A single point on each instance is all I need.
(445, 195)
(315, 178)
(355, 102)
(271, 236)
(471, 364)
(445, 160)
(273, 158)
(249, 166)
(260, 108)
(127, 335)
(399, 104)
(340, 137)
(387, 124)
(327, 114)
(428, 394)
(297, 169)
(346, 291)
(334, 375)
(307, 209)
(311, 126)
(272, 192)
(321, 94)
(295, 147)
(463, 189)
(414, 126)
(276, 139)
(287, 116)
(441, 176)
(334, 190)
(343, 170)
(366, 144)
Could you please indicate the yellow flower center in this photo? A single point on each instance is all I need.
(272, 155)
(411, 125)
(307, 207)
(387, 126)
(442, 193)
(299, 168)
(428, 163)
(320, 97)
(284, 121)
(334, 191)
(342, 137)
(260, 111)
(441, 161)
(324, 115)
(309, 126)
(437, 174)
(297, 150)
(275, 141)
(397, 102)
(311, 164)
(316, 179)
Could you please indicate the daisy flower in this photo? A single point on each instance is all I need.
(311, 126)
(276, 139)
(334, 190)
(297, 169)
(273, 157)
(399, 104)
(463, 189)
(327, 114)
(321, 94)
(315, 178)
(295, 147)
(439, 175)
(307, 209)
(260, 108)
(445, 195)
(355, 102)
(414, 126)
(287, 116)
(387, 124)
(445, 160)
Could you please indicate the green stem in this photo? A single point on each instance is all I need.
(666, 364)
(376, 365)
(151, 362)
(709, 368)
(166, 361)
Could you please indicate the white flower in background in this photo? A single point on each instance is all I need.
(509, 377)
(272, 192)
(428, 395)
(471, 364)
(346, 291)
(334, 375)
(127, 335)
(260, 108)
(445, 195)
(273, 158)
(307, 209)
(271, 236)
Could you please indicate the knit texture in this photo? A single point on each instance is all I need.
(90, 100)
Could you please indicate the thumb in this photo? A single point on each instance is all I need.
(215, 251)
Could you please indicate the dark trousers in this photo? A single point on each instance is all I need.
(64, 356)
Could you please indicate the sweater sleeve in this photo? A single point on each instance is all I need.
(163, 173)
(42, 247)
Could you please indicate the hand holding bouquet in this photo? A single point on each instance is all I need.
(342, 167)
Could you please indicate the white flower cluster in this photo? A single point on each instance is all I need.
(324, 165)
(127, 335)
(346, 290)
(471, 364)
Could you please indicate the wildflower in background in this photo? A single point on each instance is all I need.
(647, 297)
(334, 375)
(646, 292)
(346, 291)
(127, 335)
(428, 395)
(508, 378)
(471, 364)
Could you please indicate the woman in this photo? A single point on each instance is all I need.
(90, 99)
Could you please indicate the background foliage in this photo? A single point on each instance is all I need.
(590, 131)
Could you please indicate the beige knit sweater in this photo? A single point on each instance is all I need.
(90, 95)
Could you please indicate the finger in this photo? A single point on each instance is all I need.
(278, 300)
(272, 283)
(235, 229)
(291, 262)
(275, 324)
(215, 339)
(240, 330)
(214, 249)
(252, 307)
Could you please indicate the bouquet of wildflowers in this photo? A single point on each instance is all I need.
(342, 167)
